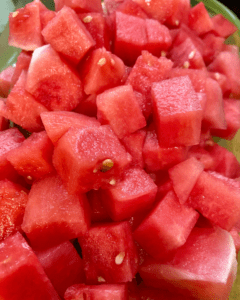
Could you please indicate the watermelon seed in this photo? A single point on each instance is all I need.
(102, 61)
(177, 22)
(186, 65)
(112, 182)
(87, 19)
(119, 258)
(29, 178)
(23, 192)
(14, 14)
(191, 54)
(95, 171)
(148, 2)
(163, 53)
(107, 165)
(217, 75)
(101, 279)
(112, 61)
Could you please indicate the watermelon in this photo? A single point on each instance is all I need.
(6, 81)
(23, 62)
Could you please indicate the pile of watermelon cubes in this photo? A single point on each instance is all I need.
(111, 184)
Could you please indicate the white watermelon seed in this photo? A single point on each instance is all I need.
(95, 171)
(191, 54)
(112, 182)
(87, 19)
(217, 75)
(112, 61)
(177, 22)
(163, 53)
(101, 279)
(14, 14)
(119, 258)
(102, 61)
(29, 177)
(186, 64)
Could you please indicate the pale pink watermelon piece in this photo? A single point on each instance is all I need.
(33, 158)
(89, 158)
(6, 81)
(52, 82)
(52, 216)
(46, 15)
(130, 7)
(177, 112)
(109, 253)
(25, 27)
(97, 292)
(134, 194)
(57, 123)
(184, 176)
(214, 45)
(63, 266)
(203, 156)
(204, 267)
(23, 271)
(116, 107)
(211, 195)
(23, 62)
(68, 36)
(79, 5)
(166, 228)
(222, 26)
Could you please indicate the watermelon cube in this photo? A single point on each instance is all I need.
(180, 13)
(89, 158)
(21, 269)
(98, 210)
(116, 107)
(63, 266)
(23, 62)
(201, 154)
(25, 27)
(130, 7)
(166, 228)
(12, 206)
(88, 106)
(204, 267)
(68, 36)
(6, 81)
(53, 82)
(79, 5)
(177, 112)
(222, 26)
(97, 292)
(46, 15)
(214, 45)
(22, 108)
(57, 123)
(107, 69)
(33, 158)
(109, 253)
(52, 216)
(184, 176)
(134, 194)
(211, 195)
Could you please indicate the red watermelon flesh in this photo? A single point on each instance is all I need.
(101, 71)
(22, 108)
(166, 228)
(116, 107)
(214, 45)
(9, 140)
(177, 112)
(79, 5)
(130, 7)
(89, 158)
(195, 269)
(23, 62)
(12, 206)
(21, 274)
(109, 253)
(211, 195)
(6, 81)
(203, 156)
(68, 36)
(4, 123)
(98, 210)
(97, 292)
(222, 26)
(52, 216)
(222, 81)
(57, 123)
(46, 15)
(33, 158)
(134, 194)
(25, 27)
(180, 13)
(88, 106)
(232, 116)
(63, 266)
(52, 82)
(184, 176)
(96, 24)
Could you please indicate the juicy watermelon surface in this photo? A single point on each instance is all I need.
(112, 185)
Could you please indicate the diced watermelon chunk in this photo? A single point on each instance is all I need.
(97, 292)
(46, 15)
(88, 106)
(134, 194)
(4, 123)
(98, 210)
(63, 266)
(130, 7)
(22, 108)
(79, 5)
(222, 26)
(12, 206)
(116, 107)
(9, 140)
(52, 82)
(180, 13)
(33, 158)
(211, 195)
(22, 270)
(196, 269)
(23, 62)
(68, 36)
(57, 123)
(52, 216)
(109, 253)
(89, 158)
(166, 228)
(177, 112)
(6, 81)
(112, 5)
(25, 27)
(214, 45)
(199, 19)
(107, 69)
(232, 116)
(203, 156)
